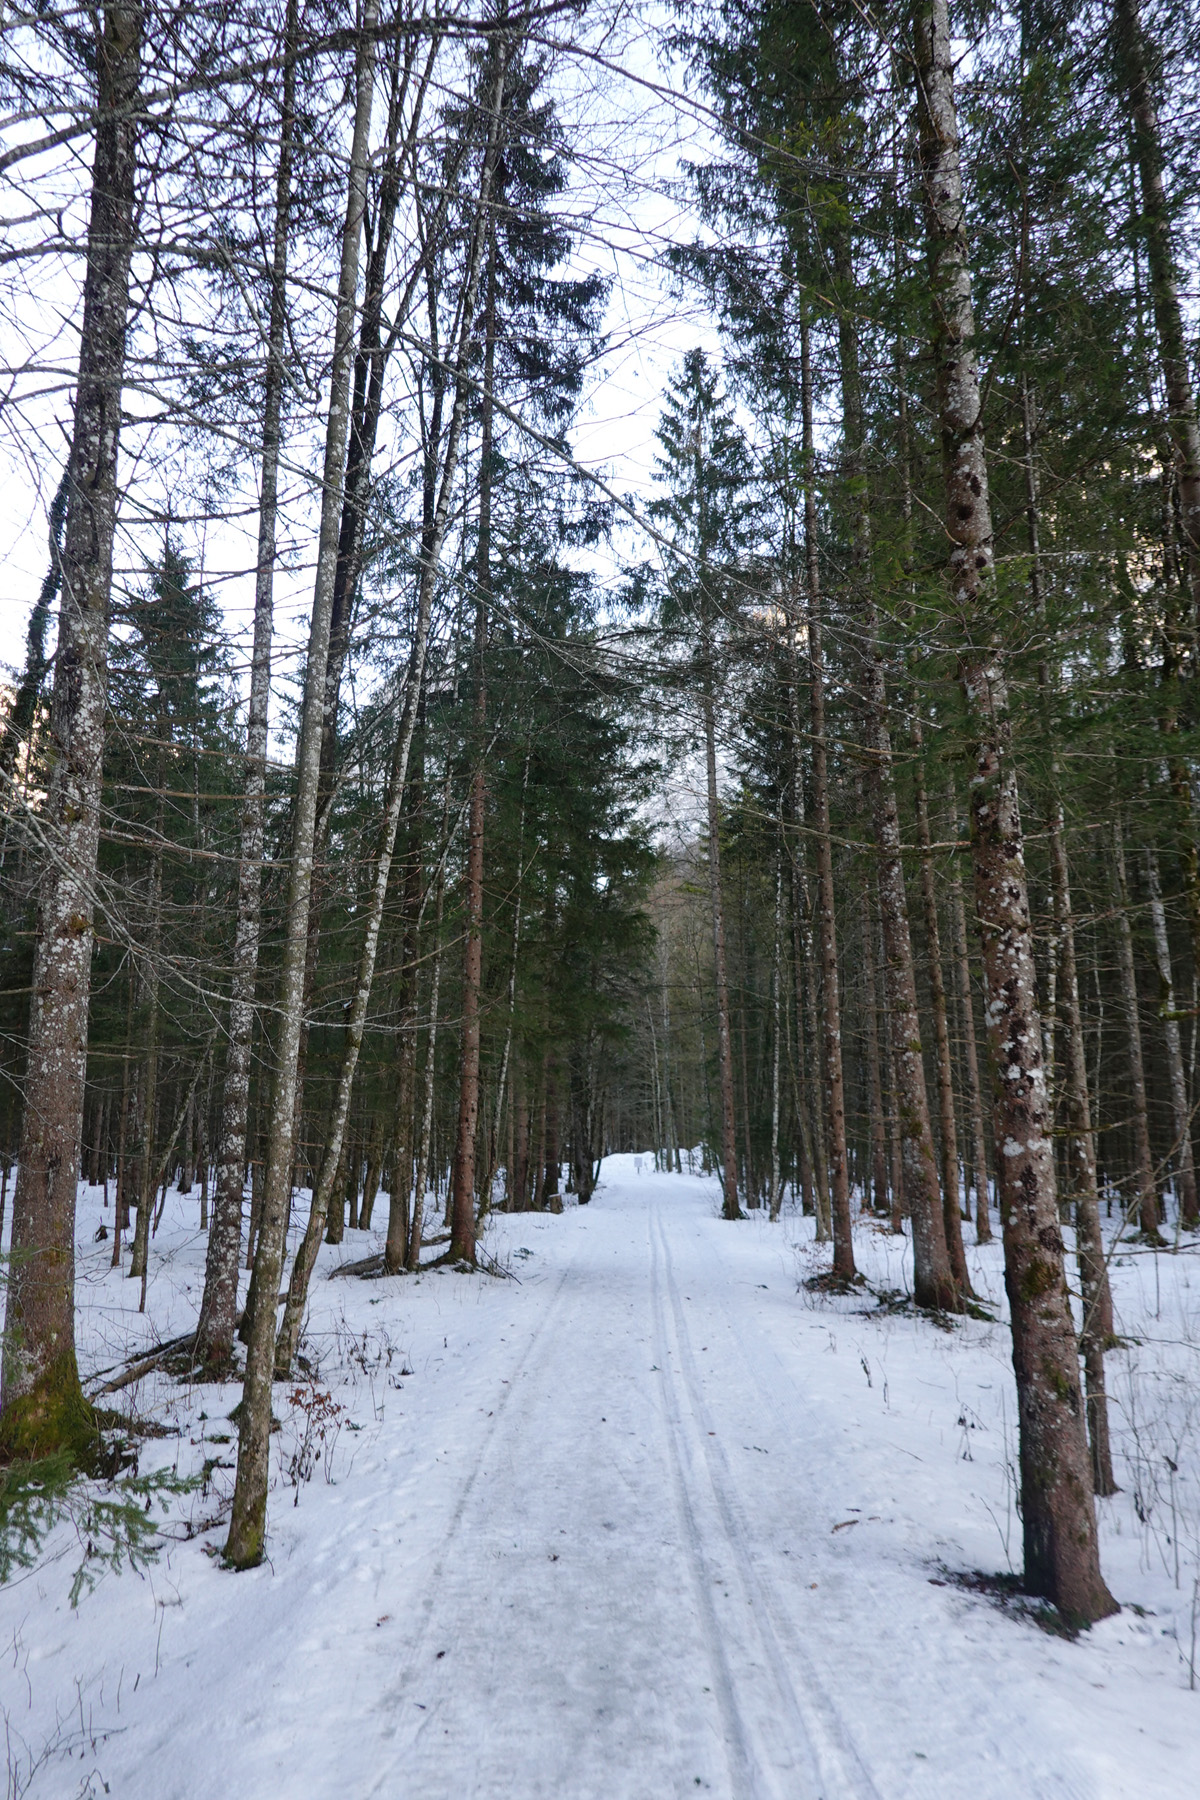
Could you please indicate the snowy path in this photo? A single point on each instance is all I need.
(650, 1523)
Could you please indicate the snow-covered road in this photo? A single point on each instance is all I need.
(649, 1521)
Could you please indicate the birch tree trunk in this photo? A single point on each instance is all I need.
(218, 1307)
(1058, 1511)
(244, 1546)
(306, 1255)
(42, 1408)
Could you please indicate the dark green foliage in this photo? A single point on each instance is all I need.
(114, 1521)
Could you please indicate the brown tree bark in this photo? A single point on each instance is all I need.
(1181, 1112)
(1058, 1511)
(1146, 1201)
(948, 1124)
(42, 1408)
(1096, 1326)
(425, 1137)
(934, 1283)
(835, 1088)
(462, 1204)
(804, 974)
(878, 1122)
(966, 1002)
(730, 1208)
(146, 1159)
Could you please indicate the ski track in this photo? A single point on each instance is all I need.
(768, 1380)
(834, 1768)
(597, 1548)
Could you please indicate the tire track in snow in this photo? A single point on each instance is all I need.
(838, 1770)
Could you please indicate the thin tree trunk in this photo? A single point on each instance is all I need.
(336, 1149)
(404, 1129)
(42, 1408)
(1058, 1511)
(218, 1307)
(835, 1089)
(146, 1186)
(1143, 1170)
(1096, 1329)
(804, 970)
(120, 1208)
(425, 1141)
(879, 1178)
(552, 1159)
(951, 1208)
(775, 1198)
(1167, 1010)
(306, 1255)
(934, 1283)
(730, 1209)
(966, 999)
(506, 1055)
(462, 1205)
(244, 1546)
(18, 726)
(371, 1174)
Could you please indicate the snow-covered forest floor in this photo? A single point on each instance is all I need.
(649, 1519)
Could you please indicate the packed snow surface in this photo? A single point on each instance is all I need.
(649, 1518)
